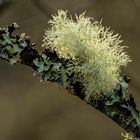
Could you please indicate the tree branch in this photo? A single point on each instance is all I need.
(118, 105)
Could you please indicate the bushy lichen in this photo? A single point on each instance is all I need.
(96, 51)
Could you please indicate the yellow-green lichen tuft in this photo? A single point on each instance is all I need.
(96, 50)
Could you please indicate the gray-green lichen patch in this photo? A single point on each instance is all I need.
(11, 45)
(48, 70)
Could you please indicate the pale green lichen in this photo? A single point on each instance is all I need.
(96, 50)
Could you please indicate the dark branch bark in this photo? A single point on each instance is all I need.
(117, 105)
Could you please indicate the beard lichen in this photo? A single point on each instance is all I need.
(96, 51)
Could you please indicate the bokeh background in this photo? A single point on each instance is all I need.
(30, 110)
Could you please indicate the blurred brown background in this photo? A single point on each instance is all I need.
(30, 110)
